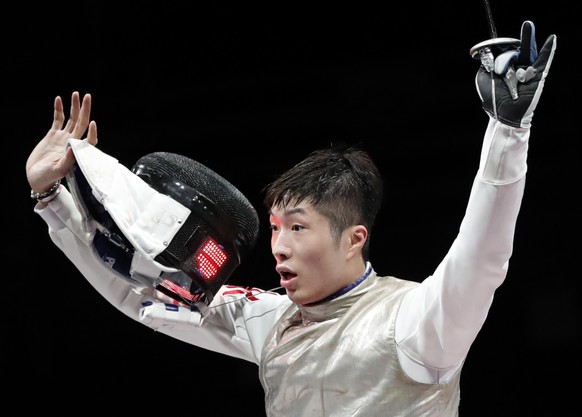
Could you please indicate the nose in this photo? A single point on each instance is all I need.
(280, 247)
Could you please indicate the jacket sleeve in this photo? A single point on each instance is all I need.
(440, 319)
(235, 323)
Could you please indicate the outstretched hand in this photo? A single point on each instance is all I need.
(51, 158)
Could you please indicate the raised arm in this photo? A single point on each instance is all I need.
(439, 320)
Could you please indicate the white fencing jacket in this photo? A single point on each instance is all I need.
(423, 334)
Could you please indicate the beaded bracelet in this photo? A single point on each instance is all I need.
(43, 197)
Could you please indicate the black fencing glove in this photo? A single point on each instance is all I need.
(511, 83)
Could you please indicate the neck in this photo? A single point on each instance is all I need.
(347, 288)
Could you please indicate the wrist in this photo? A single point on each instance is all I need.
(48, 195)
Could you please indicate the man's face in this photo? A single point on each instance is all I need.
(310, 262)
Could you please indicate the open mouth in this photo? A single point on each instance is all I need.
(287, 275)
(287, 279)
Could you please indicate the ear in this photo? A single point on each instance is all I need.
(358, 236)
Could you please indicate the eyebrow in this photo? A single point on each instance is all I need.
(289, 212)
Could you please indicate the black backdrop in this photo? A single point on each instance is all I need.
(248, 91)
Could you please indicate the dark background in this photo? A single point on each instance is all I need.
(249, 91)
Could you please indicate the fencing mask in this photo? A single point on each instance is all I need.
(170, 223)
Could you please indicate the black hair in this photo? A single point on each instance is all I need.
(342, 183)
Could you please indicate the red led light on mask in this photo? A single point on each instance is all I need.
(210, 259)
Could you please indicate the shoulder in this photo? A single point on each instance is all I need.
(393, 283)
(253, 301)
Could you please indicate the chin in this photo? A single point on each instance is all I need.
(302, 300)
(296, 298)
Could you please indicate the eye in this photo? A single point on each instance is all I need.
(273, 227)
(297, 228)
